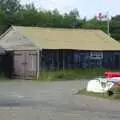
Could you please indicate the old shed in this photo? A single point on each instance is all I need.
(34, 49)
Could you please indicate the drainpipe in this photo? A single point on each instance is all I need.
(38, 64)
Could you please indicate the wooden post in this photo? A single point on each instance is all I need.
(63, 61)
(52, 53)
(58, 59)
(38, 64)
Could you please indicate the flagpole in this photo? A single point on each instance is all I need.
(108, 27)
(108, 24)
(100, 16)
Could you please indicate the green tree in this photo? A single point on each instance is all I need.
(57, 18)
(2, 15)
(13, 13)
(74, 18)
(115, 27)
(95, 24)
(27, 16)
(10, 6)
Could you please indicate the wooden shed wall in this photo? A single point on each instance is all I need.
(25, 63)
(60, 59)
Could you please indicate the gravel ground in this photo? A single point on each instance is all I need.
(27, 100)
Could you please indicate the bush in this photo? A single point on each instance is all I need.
(115, 92)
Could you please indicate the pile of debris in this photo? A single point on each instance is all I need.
(109, 84)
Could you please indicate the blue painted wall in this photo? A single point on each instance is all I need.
(59, 59)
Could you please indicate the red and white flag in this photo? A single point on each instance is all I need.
(102, 17)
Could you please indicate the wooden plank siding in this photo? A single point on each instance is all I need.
(69, 59)
(23, 64)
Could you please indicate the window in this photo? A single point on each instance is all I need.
(96, 55)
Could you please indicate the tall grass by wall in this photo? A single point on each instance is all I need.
(72, 74)
(3, 76)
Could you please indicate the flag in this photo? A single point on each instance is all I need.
(102, 17)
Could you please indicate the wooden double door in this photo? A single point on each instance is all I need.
(25, 64)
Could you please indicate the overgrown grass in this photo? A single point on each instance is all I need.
(115, 96)
(72, 74)
(3, 77)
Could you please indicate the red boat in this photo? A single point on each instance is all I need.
(111, 74)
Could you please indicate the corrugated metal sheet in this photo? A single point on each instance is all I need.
(51, 38)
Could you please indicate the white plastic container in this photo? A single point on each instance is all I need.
(99, 85)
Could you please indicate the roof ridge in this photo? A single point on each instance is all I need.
(57, 28)
(8, 30)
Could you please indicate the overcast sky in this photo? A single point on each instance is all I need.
(88, 8)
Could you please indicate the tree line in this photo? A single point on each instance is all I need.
(13, 13)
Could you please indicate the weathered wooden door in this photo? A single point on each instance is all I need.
(25, 64)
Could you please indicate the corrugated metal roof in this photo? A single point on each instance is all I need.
(51, 38)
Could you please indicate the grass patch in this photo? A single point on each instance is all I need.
(71, 74)
(3, 77)
(101, 95)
